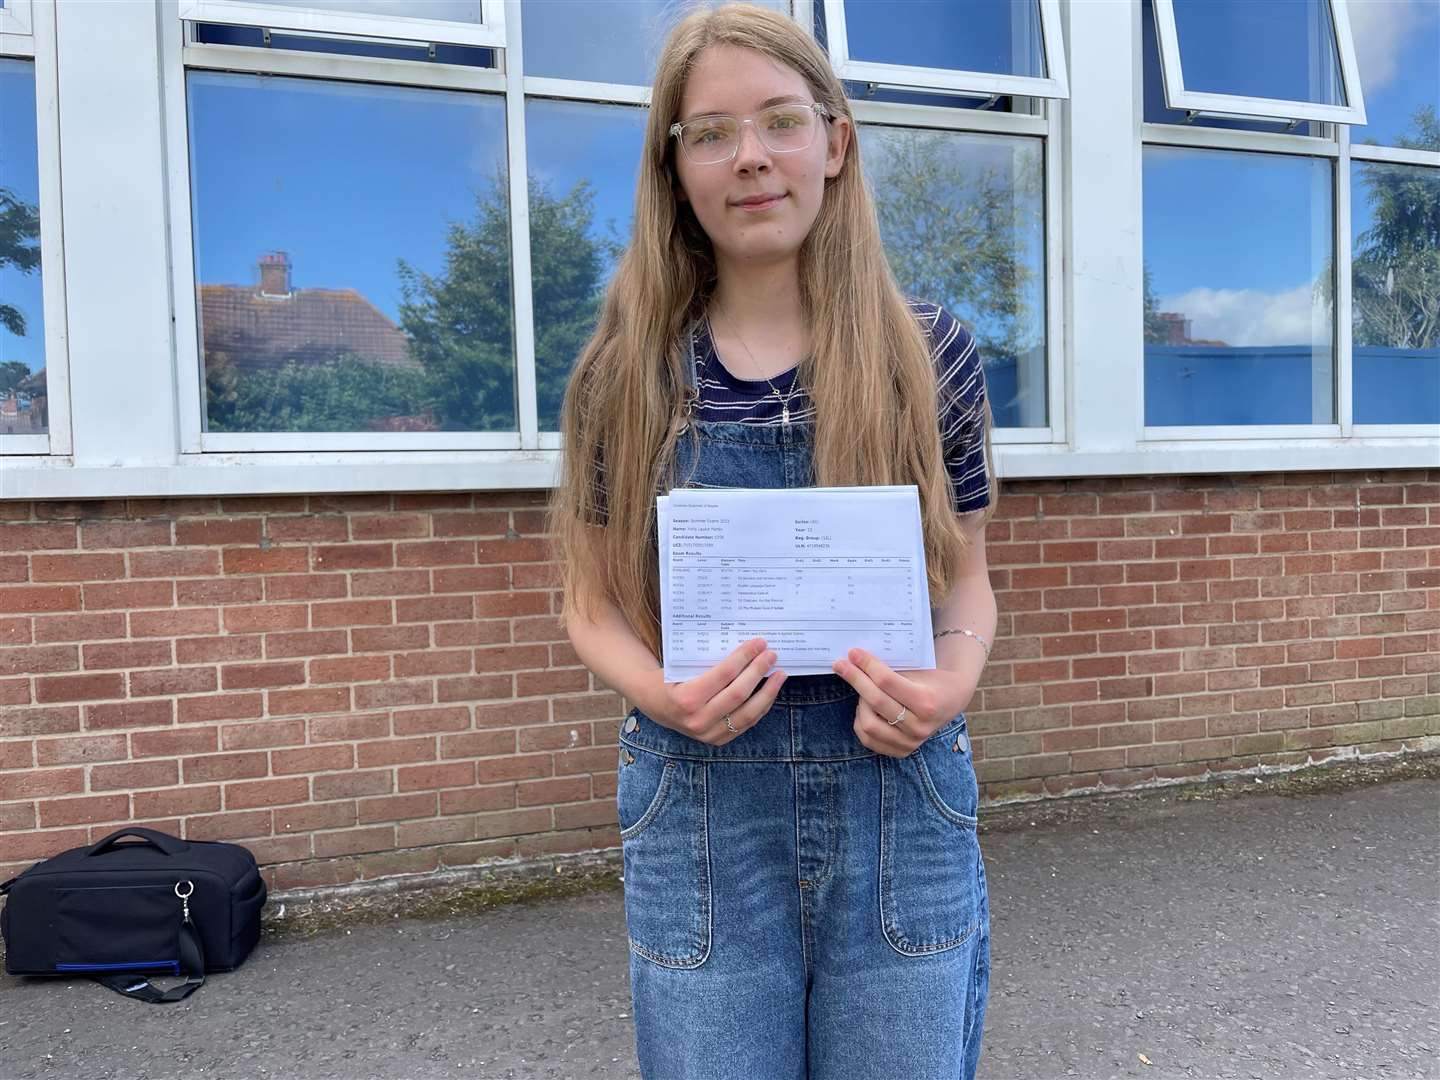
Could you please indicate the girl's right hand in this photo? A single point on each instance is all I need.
(698, 707)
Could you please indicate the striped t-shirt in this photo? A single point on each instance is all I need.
(960, 382)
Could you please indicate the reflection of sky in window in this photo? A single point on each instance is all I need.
(1397, 49)
(616, 41)
(19, 175)
(998, 36)
(450, 10)
(1259, 48)
(567, 142)
(1237, 244)
(1156, 111)
(1214, 219)
(345, 177)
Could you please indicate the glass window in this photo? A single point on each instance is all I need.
(1158, 111)
(962, 216)
(23, 408)
(608, 41)
(352, 255)
(998, 36)
(1395, 263)
(1280, 58)
(1260, 49)
(1237, 290)
(582, 189)
(1397, 49)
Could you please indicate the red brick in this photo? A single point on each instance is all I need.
(84, 811)
(311, 759)
(248, 796)
(127, 714)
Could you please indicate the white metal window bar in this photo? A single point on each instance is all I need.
(489, 31)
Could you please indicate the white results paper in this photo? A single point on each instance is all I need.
(814, 571)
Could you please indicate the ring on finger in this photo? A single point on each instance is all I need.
(731, 727)
(899, 718)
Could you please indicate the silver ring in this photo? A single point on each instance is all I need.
(899, 718)
(731, 726)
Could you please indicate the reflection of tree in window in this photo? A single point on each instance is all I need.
(460, 320)
(959, 232)
(1396, 261)
(458, 334)
(22, 394)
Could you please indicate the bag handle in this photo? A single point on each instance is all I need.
(168, 844)
(192, 963)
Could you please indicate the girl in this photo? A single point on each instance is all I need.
(804, 891)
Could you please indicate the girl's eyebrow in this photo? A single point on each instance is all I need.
(781, 100)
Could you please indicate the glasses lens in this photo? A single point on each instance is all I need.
(710, 138)
(787, 127)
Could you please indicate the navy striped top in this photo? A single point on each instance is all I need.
(960, 382)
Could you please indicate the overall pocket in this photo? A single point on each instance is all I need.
(117, 928)
(662, 809)
(930, 887)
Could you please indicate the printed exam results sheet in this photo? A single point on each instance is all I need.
(814, 571)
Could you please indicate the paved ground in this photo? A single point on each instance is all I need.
(1261, 936)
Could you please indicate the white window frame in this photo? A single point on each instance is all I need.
(983, 83)
(37, 43)
(17, 17)
(1236, 105)
(489, 32)
(184, 54)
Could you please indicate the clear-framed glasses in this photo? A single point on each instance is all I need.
(783, 129)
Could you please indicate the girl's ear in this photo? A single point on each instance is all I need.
(838, 143)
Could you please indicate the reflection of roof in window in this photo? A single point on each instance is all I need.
(267, 325)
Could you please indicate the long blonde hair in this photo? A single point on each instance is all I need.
(869, 372)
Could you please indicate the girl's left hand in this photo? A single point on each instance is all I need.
(930, 699)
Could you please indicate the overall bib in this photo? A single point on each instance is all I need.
(798, 906)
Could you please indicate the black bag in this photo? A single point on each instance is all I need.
(118, 912)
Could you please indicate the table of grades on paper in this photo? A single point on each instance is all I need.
(814, 571)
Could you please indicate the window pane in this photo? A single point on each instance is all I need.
(352, 252)
(582, 190)
(462, 11)
(1238, 298)
(963, 220)
(614, 41)
(1157, 111)
(23, 409)
(1000, 37)
(1397, 48)
(1277, 49)
(1395, 260)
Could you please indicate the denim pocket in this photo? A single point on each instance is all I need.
(662, 807)
(930, 890)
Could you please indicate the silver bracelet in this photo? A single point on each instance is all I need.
(968, 633)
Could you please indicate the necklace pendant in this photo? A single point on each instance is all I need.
(784, 414)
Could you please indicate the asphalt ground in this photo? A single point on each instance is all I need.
(1201, 932)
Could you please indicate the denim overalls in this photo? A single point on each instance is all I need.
(799, 907)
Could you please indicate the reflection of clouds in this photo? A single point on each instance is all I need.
(1381, 28)
(1253, 316)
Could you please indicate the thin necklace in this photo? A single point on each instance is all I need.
(784, 399)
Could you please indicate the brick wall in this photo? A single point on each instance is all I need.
(358, 686)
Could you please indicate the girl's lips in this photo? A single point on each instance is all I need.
(756, 207)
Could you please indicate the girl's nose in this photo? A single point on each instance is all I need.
(751, 153)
